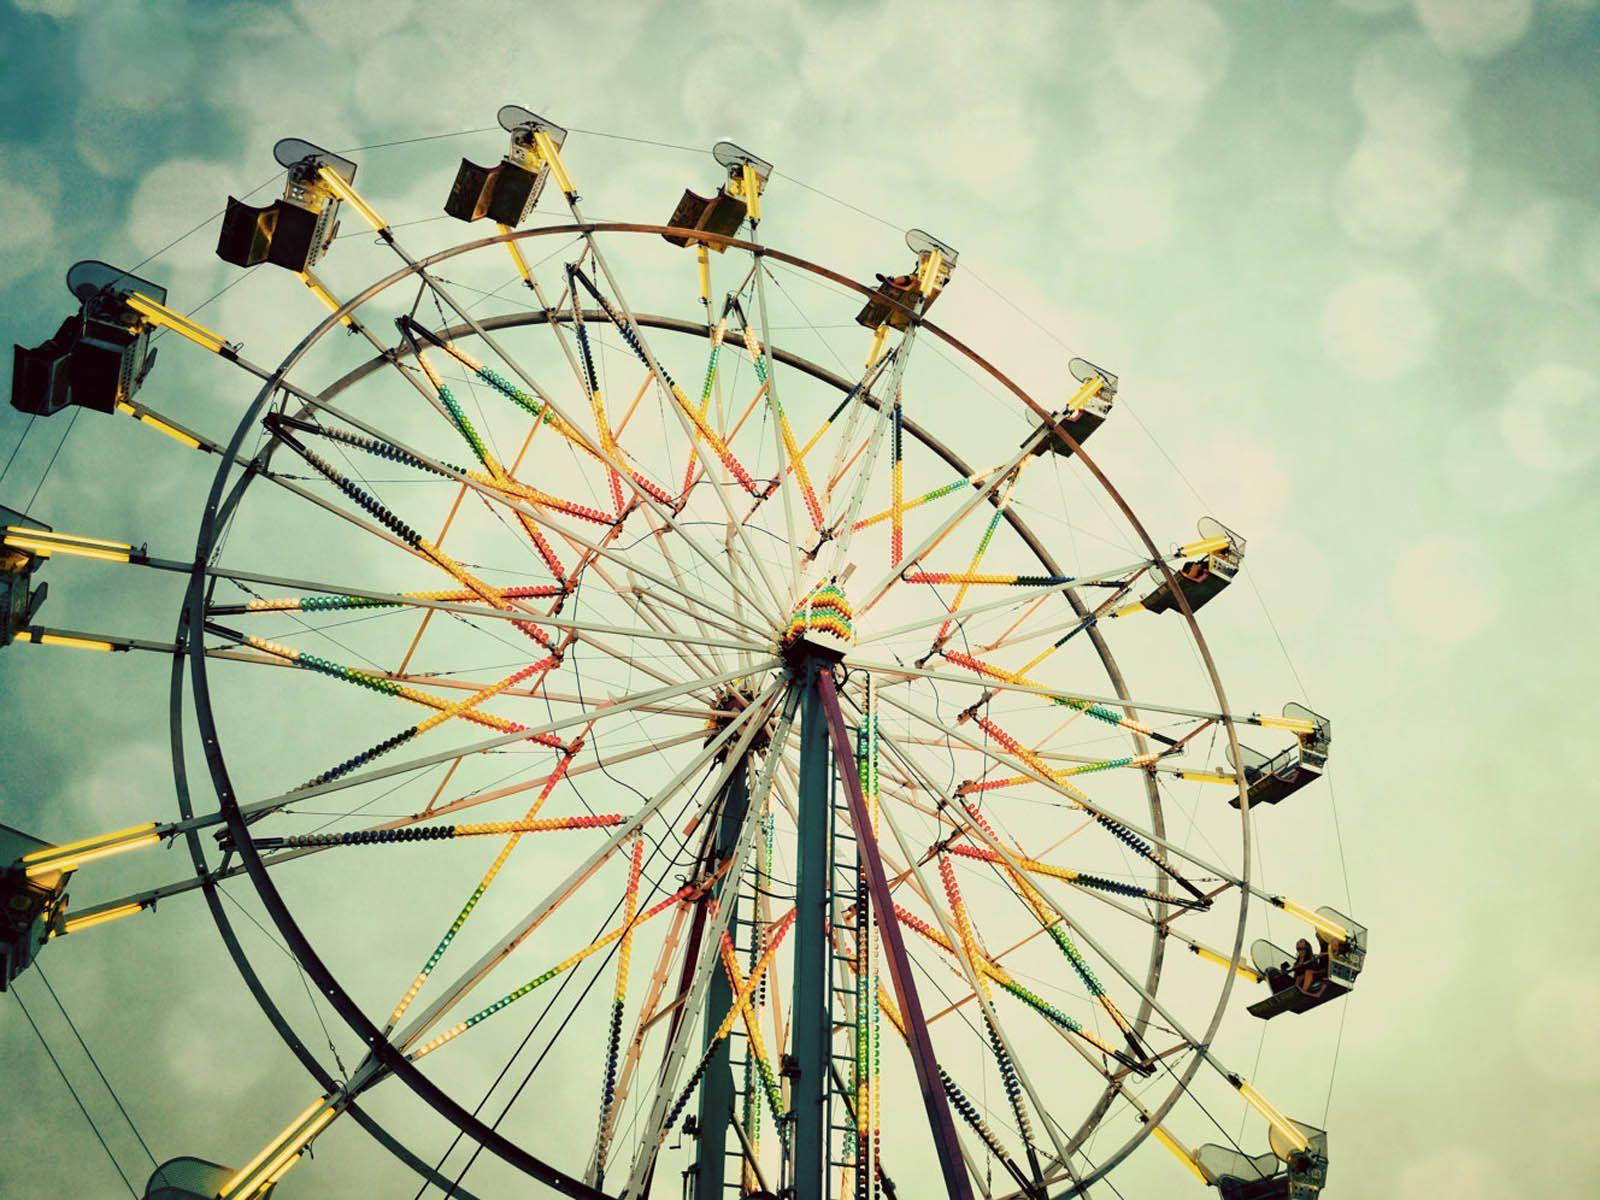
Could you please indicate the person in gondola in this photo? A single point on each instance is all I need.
(1280, 977)
(1306, 974)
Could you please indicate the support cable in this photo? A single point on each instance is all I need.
(96, 1065)
(75, 1098)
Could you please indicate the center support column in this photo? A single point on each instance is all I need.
(716, 1089)
(812, 1010)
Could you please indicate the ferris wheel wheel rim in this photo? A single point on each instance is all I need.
(215, 518)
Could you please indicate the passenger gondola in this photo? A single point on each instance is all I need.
(1310, 978)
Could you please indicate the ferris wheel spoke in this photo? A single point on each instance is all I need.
(648, 610)
(657, 1124)
(601, 762)
(1018, 868)
(969, 503)
(612, 707)
(1072, 794)
(979, 833)
(793, 463)
(966, 580)
(336, 597)
(545, 402)
(1025, 593)
(997, 680)
(739, 732)
(884, 427)
(693, 427)
(785, 450)
(543, 518)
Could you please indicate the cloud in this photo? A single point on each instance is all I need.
(1378, 325)
(1171, 49)
(1556, 1025)
(1404, 85)
(1460, 1172)
(1476, 28)
(1400, 185)
(1445, 590)
(353, 23)
(1485, 478)
(28, 233)
(59, 9)
(139, 56)
(1552, 420)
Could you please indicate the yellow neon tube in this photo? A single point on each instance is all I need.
(1222, 960)
(255, 1162)
(287, 1157)
(320, 291)
(74, 924)
(1274, 1118)
(74, 643)
(878, 336)
(517, 260)
(752, 192)
(1335, 931)
(337, 184)
(160, 314)
(72, 862)
(155, 422)
(703, 261)
(86, 843)
(46, 548)
(1178, 1151)
(1298, 725)
(929, 278)
(1086, 393)
(24, 531)
(172, 431)
(1204, 546)
(1206, 777)
(552, 157)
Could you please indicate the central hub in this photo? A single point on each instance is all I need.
(822, 625)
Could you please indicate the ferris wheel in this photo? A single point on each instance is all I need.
(682, 765)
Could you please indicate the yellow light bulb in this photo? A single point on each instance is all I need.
(73, 548)
(172, 431)
(551, 155)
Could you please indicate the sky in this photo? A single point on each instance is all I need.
(1344, 256)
